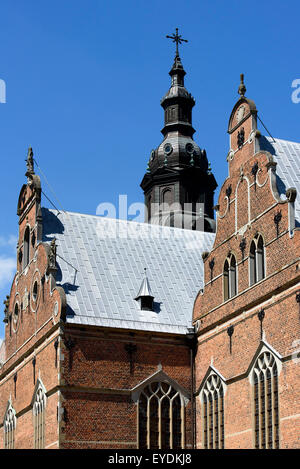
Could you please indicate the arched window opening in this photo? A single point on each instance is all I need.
(260, 259)
(9, 428)
(26, 247)
(256, 260)
(265, 396)
(160, 417)
(252, 263)
(167, 201)
(213, 413)
(39, 419)
(167, 198)
(230, 277)
(226, 280)
(172, 114)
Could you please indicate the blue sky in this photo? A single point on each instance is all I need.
(84, 80)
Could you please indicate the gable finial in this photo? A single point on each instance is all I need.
(242, 88)
(52, 255)
(29, 162)
(6, 312)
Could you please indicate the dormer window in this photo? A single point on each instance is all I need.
(145, 297)
(146, 303)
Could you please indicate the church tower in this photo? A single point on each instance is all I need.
(179, 186)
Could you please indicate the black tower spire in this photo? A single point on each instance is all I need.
(179, 185)
(178, 103)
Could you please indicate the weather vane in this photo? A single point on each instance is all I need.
(178, 39)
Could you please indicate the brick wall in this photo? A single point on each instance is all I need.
(21, 392)
(97, 380)
(248, 203)
(31, 334)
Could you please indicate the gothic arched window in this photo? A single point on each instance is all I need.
(265, 396)
(26, 247)
(161, 417)
(9, 428)
(212, 397)
(256, 260)
(252, 263)
(167, 199)
(230, 277)
(260, 263)
(39, 406)
(166, 206)
(172, 114)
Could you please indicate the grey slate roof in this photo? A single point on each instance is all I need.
(101, 265)
(101, 261)
(287, 156)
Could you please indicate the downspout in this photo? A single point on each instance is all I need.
(192, 339)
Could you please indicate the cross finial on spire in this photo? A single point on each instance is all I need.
(242, 87)
(178, 39)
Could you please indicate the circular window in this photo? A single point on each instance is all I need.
(55, 308)
(240, 113)
(15, 317)
(189, 148)
(168, 148)
(16, 312)
(35, 291)
(152, 155)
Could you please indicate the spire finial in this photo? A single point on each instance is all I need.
(29, 162)
(178, 39)
(242, 87)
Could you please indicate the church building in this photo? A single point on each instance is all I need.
(180, 332)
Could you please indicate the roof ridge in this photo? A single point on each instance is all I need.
(281, 140)
(128, 222)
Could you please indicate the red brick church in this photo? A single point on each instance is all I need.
(180, 332)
